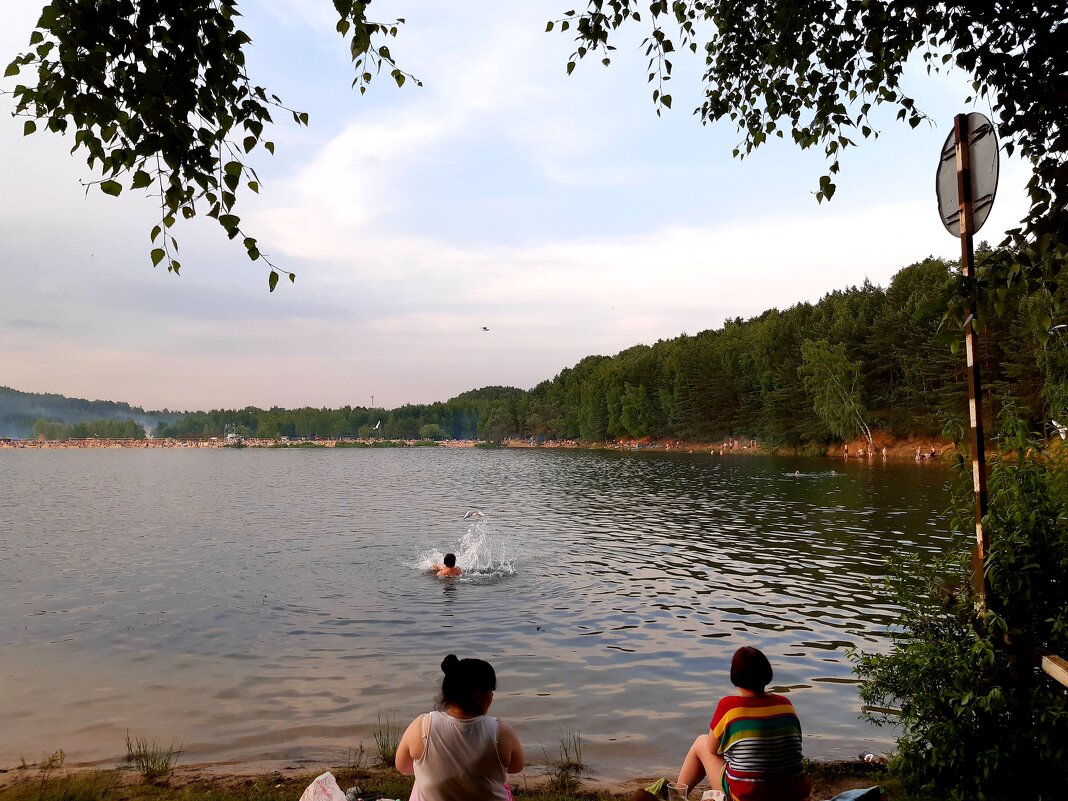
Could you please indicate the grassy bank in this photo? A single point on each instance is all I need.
(56, 783)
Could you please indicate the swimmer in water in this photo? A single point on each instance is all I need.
(448, 569)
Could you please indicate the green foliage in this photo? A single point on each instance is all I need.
(566, 768)
(817, 72)
(861, 358)
(152, 760)
(979, 719)
(76, 786)
(19, 411)
(93, 429)
(387, 736)
(158, 98)
(832, 381)
(432, 431)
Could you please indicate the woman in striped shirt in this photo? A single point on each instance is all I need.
(753, 749)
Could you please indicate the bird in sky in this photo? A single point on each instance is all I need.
(485, 328)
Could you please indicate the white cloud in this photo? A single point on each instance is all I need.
(557, 211)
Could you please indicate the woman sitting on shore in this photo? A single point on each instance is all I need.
(457, 752)
(753, 750)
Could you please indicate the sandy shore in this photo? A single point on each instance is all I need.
(220, 442)
(828, 778)
(885, 447)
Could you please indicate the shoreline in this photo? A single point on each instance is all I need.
(828, 777)
(886, 448)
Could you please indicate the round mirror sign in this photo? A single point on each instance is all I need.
(983, 147)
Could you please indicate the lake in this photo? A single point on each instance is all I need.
(272, 606)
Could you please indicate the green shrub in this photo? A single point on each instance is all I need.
(565, 769)
(152, 760)
(387, 738)
(979, 719)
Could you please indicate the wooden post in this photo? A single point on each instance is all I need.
(1056, 668)
(975, 399)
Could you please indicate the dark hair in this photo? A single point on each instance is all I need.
(750, 669)
(465, 678)
(450, 559)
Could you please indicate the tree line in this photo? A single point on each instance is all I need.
(862, 359)
(19, 411)
(93, 429)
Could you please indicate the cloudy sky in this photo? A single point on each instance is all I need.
(557, 211)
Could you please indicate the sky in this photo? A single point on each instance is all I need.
(557, 211)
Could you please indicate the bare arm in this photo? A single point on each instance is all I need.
(509, 749)
(410, 747)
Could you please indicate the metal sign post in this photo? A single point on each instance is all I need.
(972, 150)
(966, 182)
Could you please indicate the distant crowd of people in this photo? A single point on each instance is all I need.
(868, 452)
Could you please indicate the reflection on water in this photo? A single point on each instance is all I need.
(273, 604)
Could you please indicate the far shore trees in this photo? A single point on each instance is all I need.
(832, 380)
(93, 429)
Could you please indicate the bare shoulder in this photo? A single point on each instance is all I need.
(506, 727)
(509, 748)
(410, 747)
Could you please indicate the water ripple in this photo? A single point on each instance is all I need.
(272, 602)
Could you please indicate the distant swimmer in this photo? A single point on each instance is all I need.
(473, 513)
(449, 569)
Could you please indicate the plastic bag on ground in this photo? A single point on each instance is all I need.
(323, 788)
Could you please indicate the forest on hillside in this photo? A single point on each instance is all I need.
(862, 359)
(814, 374)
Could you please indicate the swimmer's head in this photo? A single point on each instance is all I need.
(450, 560)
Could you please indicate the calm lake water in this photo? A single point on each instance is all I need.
(269, 605)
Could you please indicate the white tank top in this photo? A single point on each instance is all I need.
(460, 760)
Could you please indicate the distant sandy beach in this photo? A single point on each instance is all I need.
(885, 447)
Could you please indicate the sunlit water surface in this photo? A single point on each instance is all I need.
(263, 606)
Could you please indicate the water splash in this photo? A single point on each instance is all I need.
(480, 553)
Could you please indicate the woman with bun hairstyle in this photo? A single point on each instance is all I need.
(457, 752)
(753, 749)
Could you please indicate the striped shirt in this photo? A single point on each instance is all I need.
(760, 740)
